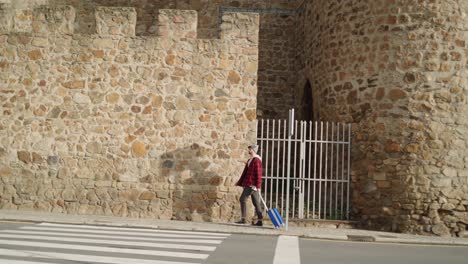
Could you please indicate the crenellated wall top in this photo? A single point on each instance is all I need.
(120, 22)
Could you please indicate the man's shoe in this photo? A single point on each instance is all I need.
(259, 223)
(241, 222)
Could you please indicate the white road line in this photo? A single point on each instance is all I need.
(136, 229)
(11, 261)
(133, 238)
(104, 249)
(111, 242)
(79, 258)
(287, 250)
(114, 232)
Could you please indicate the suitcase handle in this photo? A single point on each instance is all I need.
(263, 201)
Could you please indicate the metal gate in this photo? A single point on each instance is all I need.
(306, 167)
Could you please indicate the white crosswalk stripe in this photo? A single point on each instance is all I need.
(109, 242)
(136, 230)
(76, 257)
(123, 233)
(133, 238)
(21, 262)
(55, 243)
(287, 250)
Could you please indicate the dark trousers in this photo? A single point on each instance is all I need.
(248, 191)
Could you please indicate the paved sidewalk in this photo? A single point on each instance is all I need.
(306, 232)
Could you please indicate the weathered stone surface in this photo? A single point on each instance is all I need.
(35, 55)
(113, 98)
(5, 172)
(391, 146)
(147, 195)
(55, 112)
(94, 147)
(75, 84)
(116, 21)
(441, 230)
(396, 94)
(129, 195)
(413, 148)
(234, 77)
(251, 115)
(24, 156)
(36, 157)
(80, 98)
(407, 128)
(139, 149)
(103, 43)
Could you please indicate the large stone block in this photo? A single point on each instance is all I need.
(177, 24)
(240, 26)
(22, 20)
(56, 20)
(6, 21)
(116, 21)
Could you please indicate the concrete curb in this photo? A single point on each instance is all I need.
(354, 235)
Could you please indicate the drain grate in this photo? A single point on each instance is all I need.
(361, 238)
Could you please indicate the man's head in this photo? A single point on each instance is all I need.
(253, 149)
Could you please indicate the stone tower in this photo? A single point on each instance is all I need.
(396, 69)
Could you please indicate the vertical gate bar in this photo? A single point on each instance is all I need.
(298, 182)
(262, 135)
(262, 138)
(278, 151)
(266, 158)
(320, 172)
(310, 168)
(284, 165)
(326, 173)
(295, 166)
(297, 162)
(288, 169)
(272, 162)
(337, 165)
(292, 179)
(331, 171)
(349, 172)
(303, 169)
(315, 170)
(259, 134)
(342, 170)
(259, 138)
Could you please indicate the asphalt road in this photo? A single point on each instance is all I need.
(332, 252)
(28, 243)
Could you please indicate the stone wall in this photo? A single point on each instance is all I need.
(142, 125)
(277, 65)
(118, 124)
(147, 11)
(396, 69)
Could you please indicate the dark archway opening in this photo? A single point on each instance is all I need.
(307, 103)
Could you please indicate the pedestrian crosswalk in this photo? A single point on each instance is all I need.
(62, 243)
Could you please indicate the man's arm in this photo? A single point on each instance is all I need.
(258, 172)
(241, 179)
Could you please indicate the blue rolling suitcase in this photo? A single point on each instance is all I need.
(273, 213)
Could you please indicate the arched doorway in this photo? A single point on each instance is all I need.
(307, 103)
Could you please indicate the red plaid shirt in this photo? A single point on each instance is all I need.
(252, 174)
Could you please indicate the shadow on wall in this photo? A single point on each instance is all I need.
(198, 190)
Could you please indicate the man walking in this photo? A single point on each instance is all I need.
(251, 181)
